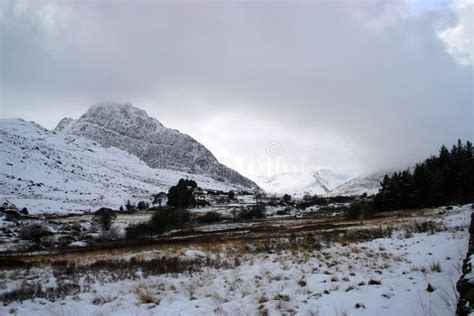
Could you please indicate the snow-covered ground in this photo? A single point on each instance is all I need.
(298, 184)
(322, 182)
(405, 273)
(369, 184)
(47, 172)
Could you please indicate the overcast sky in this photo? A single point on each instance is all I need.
(354, 86)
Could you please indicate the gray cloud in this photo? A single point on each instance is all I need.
(351, 86)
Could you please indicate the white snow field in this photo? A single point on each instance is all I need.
(48, 172)
(322, 182)
(405, 273)
(369, 184)
(298, 184)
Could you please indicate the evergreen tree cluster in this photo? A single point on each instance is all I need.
(182, 194)
(439, 180)
(141, 205)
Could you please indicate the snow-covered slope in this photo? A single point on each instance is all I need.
(132, 130)
(322, 182)
(45, 171)
(298, 184)
(369, 184)
(63, 124)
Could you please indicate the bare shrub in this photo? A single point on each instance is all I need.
(302, 282)
(429, 288)
(357, 209)
(364, 234)
(282, 297)
(146, 298)
(430, 227)
(210, 217)
(34, 233)
(112, 233)
(262, 299)
(435, 266)
(342, 311)
(253, 212)
(35, 290)
(104, 217)
(102, 299)
(374, 282)
(162, 221)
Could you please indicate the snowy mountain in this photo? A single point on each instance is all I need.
(298, 184)
(46, 171)
(369, 184)
(63, 124)
(321, 182)
(132, 130)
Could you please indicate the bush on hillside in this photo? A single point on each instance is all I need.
(182, 194)
(358, 209)
(162, 221)
(104, 217)
(253, 212)
(210, 217)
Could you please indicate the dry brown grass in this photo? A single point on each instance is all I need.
(310, 228)
(435, 266)
(145, 297)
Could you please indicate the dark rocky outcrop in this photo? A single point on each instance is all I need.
(465, 285)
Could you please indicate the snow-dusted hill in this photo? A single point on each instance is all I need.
(369, 184)
(322, 182)
(45, 171)
(298, 184)
(132, 130)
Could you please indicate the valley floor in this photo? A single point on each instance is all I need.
(406, 266)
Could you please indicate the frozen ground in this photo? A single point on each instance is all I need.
(406, 273)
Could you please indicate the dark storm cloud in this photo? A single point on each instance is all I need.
(365, 85)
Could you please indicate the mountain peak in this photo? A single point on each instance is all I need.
(63, 124)
(126, 107)
(129, 128)
(122, 113)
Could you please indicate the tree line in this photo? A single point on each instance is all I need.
(442, 179)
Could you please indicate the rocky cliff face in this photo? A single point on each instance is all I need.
(128, 128)
(465, 285)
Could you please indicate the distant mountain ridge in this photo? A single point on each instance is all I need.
(131, 129)
(49, 172)
(298, 184)
(369, 184)
(323, 182)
